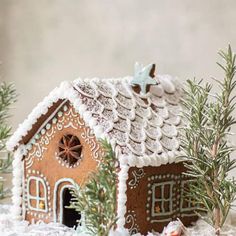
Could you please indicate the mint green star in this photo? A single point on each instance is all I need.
(142, 76)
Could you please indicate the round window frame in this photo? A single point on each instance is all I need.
(67, 153)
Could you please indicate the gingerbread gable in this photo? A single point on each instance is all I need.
(48, 170)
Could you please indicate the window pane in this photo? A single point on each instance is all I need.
(167, 206)
(41, 190)
(33, 203)
(158, 207)
(167, 191)
(32, 186)
(158, 192)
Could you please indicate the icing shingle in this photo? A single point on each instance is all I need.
(147, 124)
(139, 125)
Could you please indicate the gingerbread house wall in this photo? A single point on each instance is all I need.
(43, 167)
(147, 187)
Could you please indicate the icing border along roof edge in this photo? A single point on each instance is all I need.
(64, 91)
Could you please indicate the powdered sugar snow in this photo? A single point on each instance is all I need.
(9, 227)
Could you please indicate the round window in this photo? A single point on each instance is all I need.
(70, 149)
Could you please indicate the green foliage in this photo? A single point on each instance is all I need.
(205, 143)
(5, 163)
(7, 97)
(97, 198)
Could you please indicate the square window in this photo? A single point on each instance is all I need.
(162, 198)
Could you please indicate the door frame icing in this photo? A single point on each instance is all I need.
(55, 197)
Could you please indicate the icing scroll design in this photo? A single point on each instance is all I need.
(86, 134)
(90, 140)
(136, 176)
(130, 222)
(63, 117)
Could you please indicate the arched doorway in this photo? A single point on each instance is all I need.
(70, 216)
(61, 200)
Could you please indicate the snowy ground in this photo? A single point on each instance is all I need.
(9, 227)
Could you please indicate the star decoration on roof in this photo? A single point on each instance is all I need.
(142, 76)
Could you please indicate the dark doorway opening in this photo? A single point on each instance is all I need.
(70, 216)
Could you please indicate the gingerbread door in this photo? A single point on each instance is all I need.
(70, 217)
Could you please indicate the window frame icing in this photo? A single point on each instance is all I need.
(38, 181)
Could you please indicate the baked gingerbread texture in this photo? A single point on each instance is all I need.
(57, 146)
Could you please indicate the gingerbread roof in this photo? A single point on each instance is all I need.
(143, 128)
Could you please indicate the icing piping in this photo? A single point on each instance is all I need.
(49, 118)
(137, 175)
(122, 197)
(18, 181)
(36, 211)
(41, 140)
(130, 221)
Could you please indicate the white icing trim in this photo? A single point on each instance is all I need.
(122, 196)
(57, 185)
(49, 118)
(23, 196)
(17, 181)
(152, 160)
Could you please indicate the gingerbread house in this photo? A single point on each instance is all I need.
(57, 146)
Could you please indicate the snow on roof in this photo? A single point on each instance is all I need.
(142, 127)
